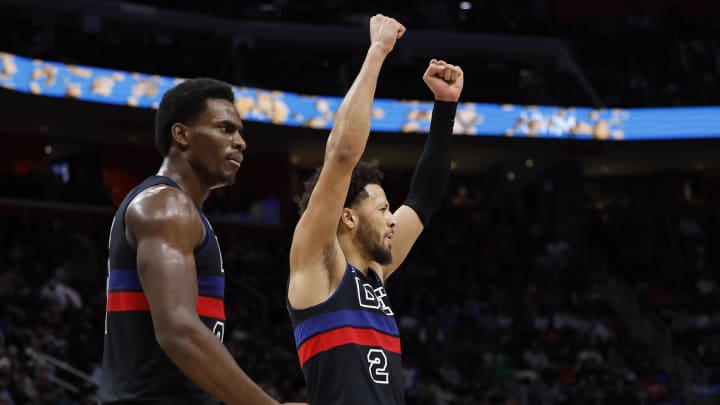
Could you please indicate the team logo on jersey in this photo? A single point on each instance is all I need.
(373, 298)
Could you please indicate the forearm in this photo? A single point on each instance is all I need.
(206, 362)
(352, 120)
(430, 179)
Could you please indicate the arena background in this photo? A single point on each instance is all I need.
(560, 270)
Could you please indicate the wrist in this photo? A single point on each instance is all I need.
(444, 108)
(447, 99)
(379, 49)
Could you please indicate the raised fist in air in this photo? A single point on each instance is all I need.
(444, 80)
(385, 31)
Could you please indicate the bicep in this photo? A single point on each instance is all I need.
(166, 228)
(168, 278)
(407, 230)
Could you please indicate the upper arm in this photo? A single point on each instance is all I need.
(315, 237)
(166, 228)
(408, 227)
(316, 260)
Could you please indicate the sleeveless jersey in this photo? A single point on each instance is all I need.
(349, 345)
(135, 368)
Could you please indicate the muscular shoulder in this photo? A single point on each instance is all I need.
(163, 211)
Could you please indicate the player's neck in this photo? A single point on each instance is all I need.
(354, 256)
(181, 173)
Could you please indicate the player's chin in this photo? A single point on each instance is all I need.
(230, 178)
(388, 258)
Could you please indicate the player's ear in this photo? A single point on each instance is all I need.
(348, 218)
(179, 134)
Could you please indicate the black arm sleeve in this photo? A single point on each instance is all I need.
(429, 182)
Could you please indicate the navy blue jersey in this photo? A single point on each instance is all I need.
(349, 345)
(135, 368)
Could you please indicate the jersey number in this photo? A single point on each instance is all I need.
(378, 366)
(219, 330)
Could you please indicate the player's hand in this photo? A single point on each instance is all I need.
(444, 80)
(384, 32)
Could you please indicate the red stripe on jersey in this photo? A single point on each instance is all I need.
(346, 336)
(127, 301)
(211, 307)
(135, 301)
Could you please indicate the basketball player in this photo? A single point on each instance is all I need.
(348, 242)
(165, 318)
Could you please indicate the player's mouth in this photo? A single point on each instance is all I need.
(236, 160)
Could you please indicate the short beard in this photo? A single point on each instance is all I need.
(367, 239)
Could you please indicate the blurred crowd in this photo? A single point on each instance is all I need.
(663, 246)
(52, 303)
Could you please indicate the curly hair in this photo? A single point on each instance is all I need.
(362, 175)
(183, 103)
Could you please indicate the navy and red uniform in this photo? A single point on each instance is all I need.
(135, 368)
(349, 345)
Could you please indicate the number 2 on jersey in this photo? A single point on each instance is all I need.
(378, 366)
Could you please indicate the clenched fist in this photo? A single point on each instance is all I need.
(384, 32)
(444, 80)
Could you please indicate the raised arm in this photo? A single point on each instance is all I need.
(429, 181)
(164, 226)
(315, 256)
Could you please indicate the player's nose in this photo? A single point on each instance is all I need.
(238, 142)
